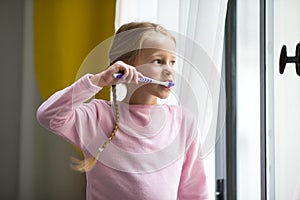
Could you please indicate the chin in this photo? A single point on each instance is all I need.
(163, 96)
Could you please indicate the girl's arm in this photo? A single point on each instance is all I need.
(65, 112)
(193, 183)
(193, 179)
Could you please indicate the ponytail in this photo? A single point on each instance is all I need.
(87, 164)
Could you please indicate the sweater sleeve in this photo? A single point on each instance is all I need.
(66, 114)
(193, 185)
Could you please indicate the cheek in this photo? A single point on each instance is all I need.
(149, 71)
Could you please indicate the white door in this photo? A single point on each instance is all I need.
(283, 100)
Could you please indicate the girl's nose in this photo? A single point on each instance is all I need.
(168, 70)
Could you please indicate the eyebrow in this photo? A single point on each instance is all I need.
(154, 54)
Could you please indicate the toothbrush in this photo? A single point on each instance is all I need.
(148, 80)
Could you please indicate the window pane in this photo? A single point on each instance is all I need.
(248, 100)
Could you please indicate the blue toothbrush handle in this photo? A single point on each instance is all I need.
(147, 80)
(118, 75)
(144, 79)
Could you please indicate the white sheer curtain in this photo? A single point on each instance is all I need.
(199, 25)
(203, 21)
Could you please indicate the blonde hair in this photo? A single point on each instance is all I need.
(127, 43)
(129, 40)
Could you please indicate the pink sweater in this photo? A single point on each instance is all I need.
(155, 154)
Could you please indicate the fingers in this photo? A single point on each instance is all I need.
(104, 78)
(136, 77)
(130, 74)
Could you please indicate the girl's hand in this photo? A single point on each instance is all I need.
(104, 78)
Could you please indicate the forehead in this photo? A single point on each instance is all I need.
(160, 42)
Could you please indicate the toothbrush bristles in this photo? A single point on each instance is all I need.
(171, 84)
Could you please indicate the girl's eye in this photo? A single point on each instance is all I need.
(172, 63)
(157, 61)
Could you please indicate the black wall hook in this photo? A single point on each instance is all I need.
(285, 59)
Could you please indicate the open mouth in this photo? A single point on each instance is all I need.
(165, 87)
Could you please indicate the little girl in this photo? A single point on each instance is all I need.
(134, 149)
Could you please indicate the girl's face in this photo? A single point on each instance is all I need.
(156, 60)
